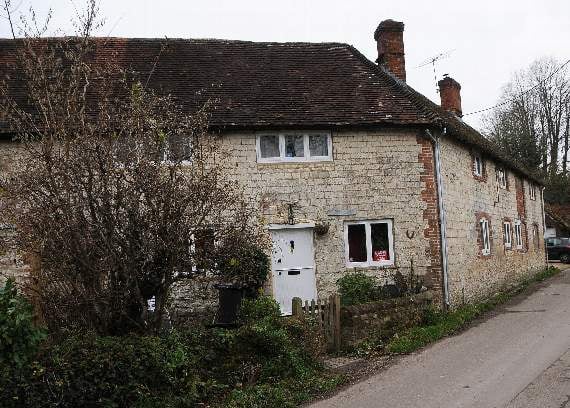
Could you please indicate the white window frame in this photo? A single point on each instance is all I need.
(532, 191)
(485, 236)
(502, 177)
(367, 228)
(518, 234)
(507, 234)
(306, 150)
(478, 165)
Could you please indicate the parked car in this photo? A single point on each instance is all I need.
(558, 249)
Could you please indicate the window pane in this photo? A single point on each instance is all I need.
(269, 146)
(357, 243)
(294, 146)
(318, 145)
(485, 235)
(179, 148)
(380, 243)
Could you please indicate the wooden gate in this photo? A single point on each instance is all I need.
(326, 312)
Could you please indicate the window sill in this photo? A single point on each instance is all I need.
(294, 160)
(370, 266)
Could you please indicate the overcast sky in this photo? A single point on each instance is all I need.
(489, 39)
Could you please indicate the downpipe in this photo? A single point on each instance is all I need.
(441, 207)
(543, 225)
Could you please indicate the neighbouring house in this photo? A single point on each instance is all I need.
(352, 168)
(557, 220)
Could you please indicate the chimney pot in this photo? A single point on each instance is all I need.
(450, 93)
(389, 38)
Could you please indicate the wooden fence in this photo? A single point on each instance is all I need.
(326, 312)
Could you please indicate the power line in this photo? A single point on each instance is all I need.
(520, 94)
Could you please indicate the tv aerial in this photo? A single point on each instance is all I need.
(432, 60)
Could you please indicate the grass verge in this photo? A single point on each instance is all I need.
(441, 324)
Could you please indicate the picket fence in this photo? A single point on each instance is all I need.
(326, 312)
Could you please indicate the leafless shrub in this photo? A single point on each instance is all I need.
(118, 192)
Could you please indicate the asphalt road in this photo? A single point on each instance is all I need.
(518, 358)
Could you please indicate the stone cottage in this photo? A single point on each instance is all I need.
(353, 169)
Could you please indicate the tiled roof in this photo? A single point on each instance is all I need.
(262, 84)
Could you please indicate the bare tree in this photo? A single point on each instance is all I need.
(532, 122)
(117, 187)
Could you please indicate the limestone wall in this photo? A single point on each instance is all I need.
(467, 198)
(373, 175)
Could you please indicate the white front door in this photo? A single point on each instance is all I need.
(293, 266)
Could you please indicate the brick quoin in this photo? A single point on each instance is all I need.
(432, 232)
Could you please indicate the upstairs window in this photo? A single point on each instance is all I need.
(518, 235)
(501, 178)
(532, 191)
(177, 148)
(294, 147)
(478, 166)
(369, 243)
(485, 238)
(507, 234)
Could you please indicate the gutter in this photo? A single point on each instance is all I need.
(441, 207)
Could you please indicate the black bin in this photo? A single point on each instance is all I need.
(230, 297)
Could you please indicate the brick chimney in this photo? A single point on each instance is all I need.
(389, 38)
(450, 93)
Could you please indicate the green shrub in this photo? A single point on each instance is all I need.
(94, 371)
(246, 265)
(263, 307)
(19, 337)
(268, 361)
(356, 288)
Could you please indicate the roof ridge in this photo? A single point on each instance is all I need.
(443, 118)
(189, 40)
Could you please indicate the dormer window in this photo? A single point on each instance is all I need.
(274, 147)
(501, 178)
(478, 166)
(532, 191)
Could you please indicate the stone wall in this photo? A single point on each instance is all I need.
(12, 264)
(194, 300)
(467, 197)
(382, 319)
(373, 175)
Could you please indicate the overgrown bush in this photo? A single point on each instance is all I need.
(356, 288)
(108, 371)
(246, 265)
(268, 361)
(19, 336)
